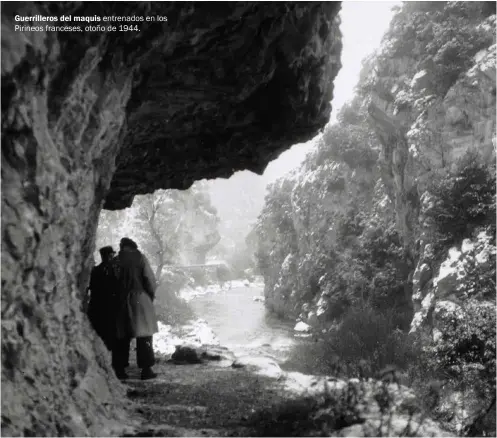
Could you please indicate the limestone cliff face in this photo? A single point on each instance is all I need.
(430, 93)
(424, 131)
(426, 122)
(56, 166)
(468, 122)
(329, 243)
(311, 223)
(210, 91)
(320, 204)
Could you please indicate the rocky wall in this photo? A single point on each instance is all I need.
(433, 137)
(56, 378)
(427, 122)
(468, 123)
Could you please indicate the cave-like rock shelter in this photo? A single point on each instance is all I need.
(91, 118)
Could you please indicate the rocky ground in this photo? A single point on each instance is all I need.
(199, 399)
(224, 395)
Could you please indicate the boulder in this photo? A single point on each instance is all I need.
(189, 354)
(185, 354)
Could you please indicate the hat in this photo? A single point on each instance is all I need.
(126, 241)
(106, 250)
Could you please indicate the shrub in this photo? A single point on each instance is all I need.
(170, 308)
(372, 406)
(292, 418)
(310, 416)
(362, 344)
(384, 257)
(461, 360)
(173, 280)
(463, 200)
(466, 349)
(479, 269)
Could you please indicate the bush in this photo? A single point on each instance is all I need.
(173, 280)
(478, 268)
(463, 200)
(309, 416)
(465, 351)
(372, 270)
(362, 344)
(374, 406)
(170, 308)
(460, 361)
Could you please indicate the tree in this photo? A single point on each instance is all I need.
(176, 226)
(170, 226)
(112, 226)
(158, 236)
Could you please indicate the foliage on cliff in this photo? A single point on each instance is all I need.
(462, 201)
(332, 229)
(394, 212)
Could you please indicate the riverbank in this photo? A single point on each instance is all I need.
(252, 396)
(212, 398)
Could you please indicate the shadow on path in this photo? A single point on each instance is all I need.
(199, 400)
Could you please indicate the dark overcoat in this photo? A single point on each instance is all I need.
(102, 305)
(136, 314)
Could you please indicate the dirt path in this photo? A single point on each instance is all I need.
(210, 400)
(202, 399)
(257, 398)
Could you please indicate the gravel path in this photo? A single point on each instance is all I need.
(199, 400)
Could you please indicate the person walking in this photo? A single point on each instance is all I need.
(135, 311)
(102, 290)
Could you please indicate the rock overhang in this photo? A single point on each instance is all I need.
(223, 89)
(92, 117)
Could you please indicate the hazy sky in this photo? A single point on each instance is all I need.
(363, 25)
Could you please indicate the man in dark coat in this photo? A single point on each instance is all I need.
(103, 289)
(135, 311)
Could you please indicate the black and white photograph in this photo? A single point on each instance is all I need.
(248, 219)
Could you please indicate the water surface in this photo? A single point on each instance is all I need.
(243, 324)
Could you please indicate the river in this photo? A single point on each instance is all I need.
(243, 324)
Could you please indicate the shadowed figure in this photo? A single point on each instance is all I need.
(135, 311)
(103, 289)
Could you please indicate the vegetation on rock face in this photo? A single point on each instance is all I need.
(368, 232)
(332, 230)
(431, 42)
(462, 201)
